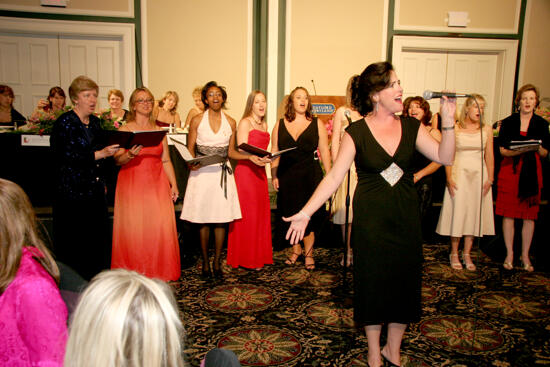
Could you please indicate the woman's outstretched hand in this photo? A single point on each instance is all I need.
(298, 225)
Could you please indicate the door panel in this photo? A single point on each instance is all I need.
(98, 59)
(420, 71)
(474, 73)
(30, 65)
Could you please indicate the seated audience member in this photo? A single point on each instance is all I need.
(9, 116)
(197, 108)
(33, 317)
(115, 110)
(125, 319)
(53, 105)
(165, 111)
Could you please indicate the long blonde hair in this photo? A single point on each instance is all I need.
(250, 103)
(471, 101)
(18, 229)
(125, 319)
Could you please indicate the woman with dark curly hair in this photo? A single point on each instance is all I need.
(295, 174)
(385, 234)
(419, 108)
(520, 175)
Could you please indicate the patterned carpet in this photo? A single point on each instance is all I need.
(286, 316)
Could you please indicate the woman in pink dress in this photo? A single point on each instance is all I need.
(144, 229)
(249, 242)
(33, 317)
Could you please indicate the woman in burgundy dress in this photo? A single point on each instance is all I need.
(520, 175)
(249, 242)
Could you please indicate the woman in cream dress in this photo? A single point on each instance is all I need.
(343, 116)
(468, 182)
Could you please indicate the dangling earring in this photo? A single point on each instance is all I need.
(376, 107)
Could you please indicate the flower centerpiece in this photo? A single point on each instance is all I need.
(41, 122)
(544, 112)
(109, 123)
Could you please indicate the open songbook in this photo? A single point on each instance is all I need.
(127, 139)
(205, 160)
(262, 152)
(522, 144)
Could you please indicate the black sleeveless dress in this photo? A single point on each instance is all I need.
(386, 234)
(299, 173)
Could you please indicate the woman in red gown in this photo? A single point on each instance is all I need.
(520, 175)
(144, 229)
(249, 242)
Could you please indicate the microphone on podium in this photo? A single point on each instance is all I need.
(428, 94)
(314, 89)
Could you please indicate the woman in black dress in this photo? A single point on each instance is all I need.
(386, 233)
(80, 217)
(297, 172)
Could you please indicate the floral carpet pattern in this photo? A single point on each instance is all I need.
(288, 316)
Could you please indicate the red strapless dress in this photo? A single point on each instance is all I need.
(249, 242)
(144, 228)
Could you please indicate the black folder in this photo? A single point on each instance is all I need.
(127, 139)
(252, 149)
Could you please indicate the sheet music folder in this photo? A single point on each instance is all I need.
(520, 144)
(127, 139)
(262, 152)
(205, 160)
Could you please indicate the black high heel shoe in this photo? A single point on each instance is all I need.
(217, 271)
(387, 362)
(206, 273)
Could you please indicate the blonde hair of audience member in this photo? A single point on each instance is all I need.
(167, 95)
(133, 101)
(79, 84)
(471, 101)
(125, 319)
(18, 229)
(197, 108)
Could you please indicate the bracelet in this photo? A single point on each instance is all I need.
(447, 128)
(305, 215)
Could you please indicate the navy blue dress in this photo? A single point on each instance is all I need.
(80, 216)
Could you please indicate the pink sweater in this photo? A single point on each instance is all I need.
(33, 318)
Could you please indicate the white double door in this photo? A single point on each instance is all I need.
(31, 64)
(463, 72)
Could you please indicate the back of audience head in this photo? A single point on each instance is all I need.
(18, 229)
(125, 319)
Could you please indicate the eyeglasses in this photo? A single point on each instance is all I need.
(141, 101)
